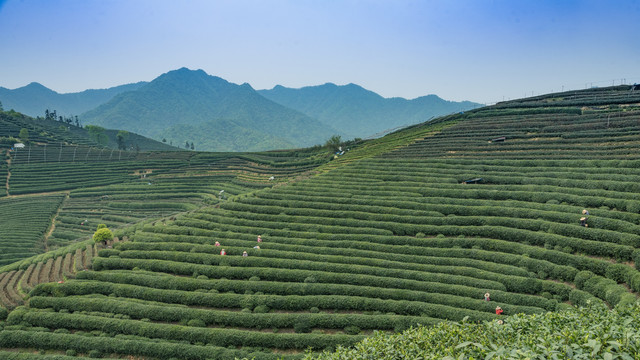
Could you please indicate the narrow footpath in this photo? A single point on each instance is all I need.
(53, 223)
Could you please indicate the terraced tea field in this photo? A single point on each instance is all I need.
(413, 228)
(23, 223)
(144, 187)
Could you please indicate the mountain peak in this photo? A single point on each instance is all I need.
(186, 104)
(186, 71)
(36, 86)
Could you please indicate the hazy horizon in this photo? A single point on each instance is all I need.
(481, 51)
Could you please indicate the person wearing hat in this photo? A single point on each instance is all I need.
(499, 310)
(223, 252)
(244, 254)
(486, 297)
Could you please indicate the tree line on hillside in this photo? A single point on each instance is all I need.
(53, 115)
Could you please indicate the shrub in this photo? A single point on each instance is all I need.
(582, 277)
(546, 295)
(352, 330)
(400, 328)
(196, 323)
(261, 309)
(618, 272)
(302, 327)
(636, 258)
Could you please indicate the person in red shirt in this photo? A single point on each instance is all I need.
(499, 310)
(259, 238)
(217, 243)
(222, 252)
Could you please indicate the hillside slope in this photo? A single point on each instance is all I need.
(412, 228)
(184, 99)
(43, 132)
(358, 112)
(34, 99)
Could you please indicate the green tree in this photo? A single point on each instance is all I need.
(102, 235)
(96, 133)
(334, 142)
(1, 108)
(24, 135)
(122, 138)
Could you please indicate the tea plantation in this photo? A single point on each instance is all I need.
(534, 201)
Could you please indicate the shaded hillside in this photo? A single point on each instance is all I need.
(227, 135)
(358, 112)
(35, 98)
(412, 228)
(184, 100)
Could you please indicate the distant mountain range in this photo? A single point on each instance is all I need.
(35, 98)
(208, 107)
(191, 106)
(358, 112)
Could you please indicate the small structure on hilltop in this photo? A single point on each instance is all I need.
(473, 181)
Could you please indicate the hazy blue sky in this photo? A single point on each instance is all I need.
(479, 50)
